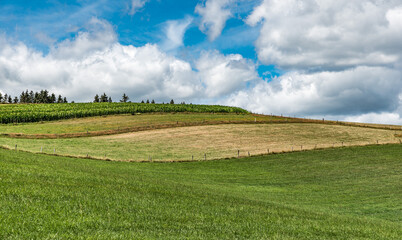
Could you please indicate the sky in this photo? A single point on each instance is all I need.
(339, 60)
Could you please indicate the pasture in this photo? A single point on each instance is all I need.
(344, 193)
(202, 142)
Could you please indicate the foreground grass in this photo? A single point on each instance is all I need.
(348, 193)
(219, 141)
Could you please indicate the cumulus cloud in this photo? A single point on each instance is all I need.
(174, 32)
(214, 14)
(350, 92)
(137, 5)
(386, 117)
(342, 59)
(223, 75)
(328, 35)
(94, 62)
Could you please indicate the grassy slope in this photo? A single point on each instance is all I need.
(103, 123)
(218, 141)
(327, 194)
(153, 120)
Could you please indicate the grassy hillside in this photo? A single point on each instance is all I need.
(127, 123)
(216, 141)
(348, 193)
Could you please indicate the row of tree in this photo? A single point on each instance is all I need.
(124, 98)
(45, 97)
(33, 97)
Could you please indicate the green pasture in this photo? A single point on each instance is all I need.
(345, 193)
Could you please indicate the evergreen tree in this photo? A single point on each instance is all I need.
(10, 99)
(142, 101)
(65, 100)
(31, 97)
(171, 101)
(103, 98)
(52, 98)
(59, 99)
(147, 100)
(5, 99)
(124, 98)
(16, 100)
(153, 101)
(110, 99)
(1, 97)
(96, 98)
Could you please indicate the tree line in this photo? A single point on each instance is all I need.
(105, 98)
(43, 96)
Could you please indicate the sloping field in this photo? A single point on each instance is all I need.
(207, 142)
(344, 193)
(128, 123)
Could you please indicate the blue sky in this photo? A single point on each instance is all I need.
(31, 21)
(41, 23)
(338, 60)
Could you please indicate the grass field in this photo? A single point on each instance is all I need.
(126, 121)
(345, 193)
(216, 141)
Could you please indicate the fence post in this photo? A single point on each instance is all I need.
(268, 150)
(192, 157)
(15, 147)
(238, 153)
(249, 154)
(205, 156)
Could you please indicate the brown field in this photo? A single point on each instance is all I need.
(216, 141)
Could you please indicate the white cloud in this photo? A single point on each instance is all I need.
(174, 32)
(343, 59)
(350, 92)
(137, 5)
(385, 118)
(214, 14)
(328, 35)
(94, 62)
(223, 75)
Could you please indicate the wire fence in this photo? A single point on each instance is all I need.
(206, 155)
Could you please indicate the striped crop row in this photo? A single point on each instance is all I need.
(19, 113)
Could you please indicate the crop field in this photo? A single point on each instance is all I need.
(344, 193)
(206, 142)
(18, 113)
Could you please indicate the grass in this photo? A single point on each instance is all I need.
(115, 122)
(345, 193)
(218, 141)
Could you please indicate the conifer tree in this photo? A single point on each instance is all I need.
(96, 98)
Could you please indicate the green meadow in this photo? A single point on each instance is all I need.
(341, 193)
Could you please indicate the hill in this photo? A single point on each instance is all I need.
(348, 193)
